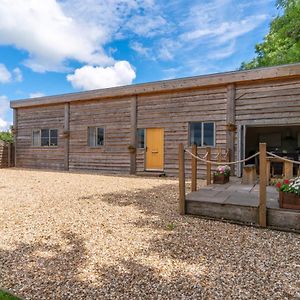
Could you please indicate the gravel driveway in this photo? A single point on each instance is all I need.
(85, 236)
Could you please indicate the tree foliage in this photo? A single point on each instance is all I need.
(282, 44)
(6, 136)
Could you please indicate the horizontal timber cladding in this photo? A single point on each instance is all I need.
(39, 117)
(270, 103)
(3, 154)
(173, 112)
(114, 117)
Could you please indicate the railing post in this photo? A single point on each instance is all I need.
(228, 155)
(219, 154)
(208, 166)
(262, 209)
(181, 169)
(194, 169)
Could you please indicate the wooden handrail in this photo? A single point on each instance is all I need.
(194, 169)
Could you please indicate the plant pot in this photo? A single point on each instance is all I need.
(289, 200)
(220, 179)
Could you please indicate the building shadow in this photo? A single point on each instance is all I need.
(45, 271)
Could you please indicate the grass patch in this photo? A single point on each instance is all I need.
(7, 296)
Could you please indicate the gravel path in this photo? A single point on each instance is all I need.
(83, 236)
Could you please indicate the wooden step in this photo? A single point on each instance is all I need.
(151, 174)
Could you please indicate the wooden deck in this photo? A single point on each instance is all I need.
(239, 203)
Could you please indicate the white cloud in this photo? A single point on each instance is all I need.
(140, 49)
(5, 75)
(18, 76)
(225, 31)
(36, 95)
(54, 32)
(49, 35)
(4, 107)
(3, 125)
(89, 77)
(223, 51)
(147, 26)
(167, 49)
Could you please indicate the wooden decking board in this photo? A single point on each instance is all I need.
(239, 203)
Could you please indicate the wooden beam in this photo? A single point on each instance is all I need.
(133, 134)
(194, 169)
(262, 209)
(208, 166)
(230, 120)
(67, 136)
(181, 169)
(15, 132)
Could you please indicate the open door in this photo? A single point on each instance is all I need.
(154, 149)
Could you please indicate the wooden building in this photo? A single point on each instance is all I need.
(100, 129)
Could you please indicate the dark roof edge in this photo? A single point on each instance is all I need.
(291, 70)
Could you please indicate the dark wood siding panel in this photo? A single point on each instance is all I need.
(114, 116)
(37, 118)
(173, 112)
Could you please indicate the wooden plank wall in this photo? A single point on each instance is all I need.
(3, 154)
(268, 103)
(173, 112)
(36, 118)
(114, 116)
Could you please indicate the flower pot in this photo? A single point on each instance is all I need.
(289, 200)
(220, 179)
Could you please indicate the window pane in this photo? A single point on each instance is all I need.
(45, 137)
(36, 135)
(195, 134)
(208, 134)
(100, 136)
(53, 137)
(92, 136)
(141, 138)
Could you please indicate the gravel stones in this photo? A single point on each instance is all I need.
(88, 236)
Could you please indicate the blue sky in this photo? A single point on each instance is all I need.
(59, 46)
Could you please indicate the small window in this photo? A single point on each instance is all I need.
(36, 138)
(95, 136)
(45, 137)
(202, 134)
(141, 138)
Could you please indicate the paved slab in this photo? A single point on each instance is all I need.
(234, 193)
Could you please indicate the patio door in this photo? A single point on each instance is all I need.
(154, 149)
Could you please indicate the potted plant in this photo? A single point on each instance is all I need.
(131, 148)
(221, 175)
(289, 193)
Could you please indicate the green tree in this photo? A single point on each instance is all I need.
(6, 136)
(282, 44)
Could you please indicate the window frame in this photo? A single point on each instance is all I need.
(95, 136)
(40, 138)
(137, 140)
(202, 133)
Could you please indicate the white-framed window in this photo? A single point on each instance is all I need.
(202, 133)
(95, 136)
(45, 137)
(141, 138)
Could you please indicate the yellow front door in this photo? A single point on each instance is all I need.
(154, 149)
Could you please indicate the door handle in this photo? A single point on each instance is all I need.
(154, 151)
